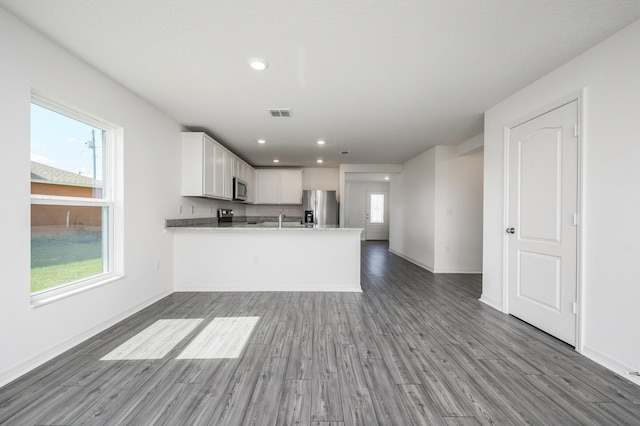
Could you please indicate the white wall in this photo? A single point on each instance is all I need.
(610, 229)
(356, 202)
(412, 212)
(389, 169)
(30, 336)
(320, 178)
(436, 209)
(458, 212)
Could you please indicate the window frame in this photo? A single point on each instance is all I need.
(371, 208)
(113, 264)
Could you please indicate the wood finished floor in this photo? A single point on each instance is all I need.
(413, 349)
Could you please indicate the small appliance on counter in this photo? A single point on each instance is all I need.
(308, 216)
(225, 217)
(323, 207)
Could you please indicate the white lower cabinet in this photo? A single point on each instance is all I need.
(279, 186)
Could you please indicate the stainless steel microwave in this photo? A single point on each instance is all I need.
(240, 190)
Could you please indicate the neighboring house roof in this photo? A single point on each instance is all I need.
(41, 173)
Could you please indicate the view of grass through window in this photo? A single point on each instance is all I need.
(69, 238)
(61, 259)
(68, 247)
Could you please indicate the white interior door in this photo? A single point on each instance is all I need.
(377, 216)
(542, 233)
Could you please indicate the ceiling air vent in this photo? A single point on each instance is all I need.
(345, 152)
(280, 112)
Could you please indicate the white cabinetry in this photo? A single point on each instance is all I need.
(228, 175)
(291, 187)
(206, 167)
(279, 186)
(244, 171)
(268, 186)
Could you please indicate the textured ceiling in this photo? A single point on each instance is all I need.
(385, 80)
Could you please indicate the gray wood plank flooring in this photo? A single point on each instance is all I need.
(413, 349)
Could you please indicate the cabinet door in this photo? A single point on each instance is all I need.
(209, 164)
(251, 183)
(228, 174)
(268, 186)
(291, 187)
(237, 167)
(219, 171)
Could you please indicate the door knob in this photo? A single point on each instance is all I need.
(511, 231)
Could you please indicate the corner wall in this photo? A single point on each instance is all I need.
(436, 209)
(607, 74)
(458, 213)
(412, 201)
(30, 336)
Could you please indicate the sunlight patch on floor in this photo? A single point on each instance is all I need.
(155, 341)
(222, 338)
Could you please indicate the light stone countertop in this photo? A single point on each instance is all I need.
(244, 223)
(244, 227)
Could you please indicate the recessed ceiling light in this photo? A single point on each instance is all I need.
(386, 178)
(258, 64)
(321, 142)
(276, 161)
(262, 141)
(320, 161)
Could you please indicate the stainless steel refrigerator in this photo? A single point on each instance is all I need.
(320, 207)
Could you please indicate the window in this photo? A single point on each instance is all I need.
(377, 208)
(72, 206)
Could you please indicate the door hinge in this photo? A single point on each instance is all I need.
(575, 130)
(575, 219)
(574, 308)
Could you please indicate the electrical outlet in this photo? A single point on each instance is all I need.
(256, 260)
(157, 264)
(180, 209)
(193, 209)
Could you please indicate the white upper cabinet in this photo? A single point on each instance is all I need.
(219, 171)
(251, 183)
(279, 186)
(227, 175)
(244, 171)
(268, 186)
(206, 167)
(291, 187)
(198, 165)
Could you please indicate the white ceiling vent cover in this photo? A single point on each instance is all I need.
(280, 112)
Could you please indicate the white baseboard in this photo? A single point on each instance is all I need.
(458, 271)
(24, 367)
(224, 288)
(437, 271)
(491, 303)
(415, 262)
(607, 362)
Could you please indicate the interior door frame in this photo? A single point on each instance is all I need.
(579, 97)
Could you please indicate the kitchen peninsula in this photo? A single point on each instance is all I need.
(264, 256)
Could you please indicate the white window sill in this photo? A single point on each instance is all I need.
(63, 292)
